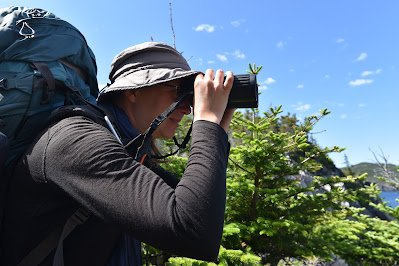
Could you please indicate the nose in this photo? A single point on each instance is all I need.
(185, 108)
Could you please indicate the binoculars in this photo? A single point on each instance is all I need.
(243, 94)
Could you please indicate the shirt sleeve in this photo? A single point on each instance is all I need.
(86, 162)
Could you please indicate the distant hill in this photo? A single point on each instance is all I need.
(373, 170)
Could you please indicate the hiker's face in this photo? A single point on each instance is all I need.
(153, 101)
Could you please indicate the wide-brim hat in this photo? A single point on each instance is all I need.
(145, 65)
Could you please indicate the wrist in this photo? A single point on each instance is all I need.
(209, 117)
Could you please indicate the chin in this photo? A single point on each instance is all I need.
(169, 136)
(164, 135)
(166, 130)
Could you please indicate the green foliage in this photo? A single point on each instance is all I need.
(226, 257)
(236, 257)
(348, 169)
(178, 261)
(175, 165)
(267, 209)
(253, 69)
(153, 256)
(271, 214)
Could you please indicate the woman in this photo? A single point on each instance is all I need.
(77, 163)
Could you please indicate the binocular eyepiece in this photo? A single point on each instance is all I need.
(243, 94)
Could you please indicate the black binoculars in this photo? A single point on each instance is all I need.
(243, 94)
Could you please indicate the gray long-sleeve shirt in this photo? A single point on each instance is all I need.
(77, 162)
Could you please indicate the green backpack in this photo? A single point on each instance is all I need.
(39, 57)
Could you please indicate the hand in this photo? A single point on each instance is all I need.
(210, 97)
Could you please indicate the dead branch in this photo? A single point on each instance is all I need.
(171, 24)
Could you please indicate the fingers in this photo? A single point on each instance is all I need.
(229, 79)
(219, 77)
(211, 92)
(209, 73)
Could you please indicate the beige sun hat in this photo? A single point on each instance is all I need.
(145, 65)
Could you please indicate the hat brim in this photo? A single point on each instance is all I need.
(145, 78)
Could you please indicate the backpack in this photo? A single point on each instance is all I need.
(38, 52)
(45, 63)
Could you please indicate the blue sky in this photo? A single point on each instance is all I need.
(341, 55)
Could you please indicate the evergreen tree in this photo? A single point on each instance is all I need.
(271, 215)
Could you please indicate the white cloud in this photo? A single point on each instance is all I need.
(303, 107)
(238, 54)
(340, 40)
(343, 116)
(361, 105)
(361, 57)
(211, 62)
(281, 44)
(263, 85)
(359, 82)
(205, 27)
(368, 73)
(221, 57)
(237, 23)
(269, 80)
(300, 86)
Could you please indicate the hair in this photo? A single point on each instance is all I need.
(156, 152)
(112, 96)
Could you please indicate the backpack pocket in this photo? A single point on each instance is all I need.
(15, 100)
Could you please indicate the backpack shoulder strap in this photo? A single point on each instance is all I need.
(55, 240)
(93, 113)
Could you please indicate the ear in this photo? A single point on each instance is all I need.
(131, 95)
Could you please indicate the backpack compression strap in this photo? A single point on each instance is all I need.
(49, 79)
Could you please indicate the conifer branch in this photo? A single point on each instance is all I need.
(239, 166)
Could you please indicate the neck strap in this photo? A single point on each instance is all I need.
(138, 147)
